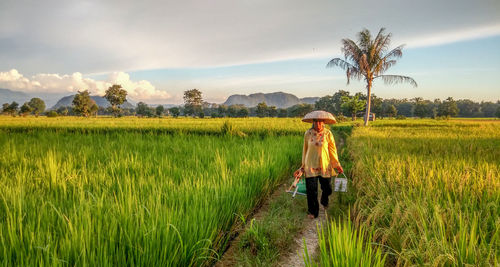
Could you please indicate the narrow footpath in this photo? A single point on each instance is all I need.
(309, 236)
(294, 256)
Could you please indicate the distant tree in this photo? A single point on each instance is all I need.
(435, 105)
(368, 59)
(377, 106)
(63, 111)
(467, 108)
(5, 107)
(498, 112)
(222, 110)
(234, 110)
(37, 105)
(360, 96)
(391, 111)
(272, 111)
(405, 107)
(489, 108)
(94, 109)
(82, 103)
(116, 96)
(448, 108)
(352, 105)
(421, 108)
(243, 112)
(192, 102)
(262, 110)
(159, 110)
(26, 109)
(143, 110)
(52, 113)
(337, 100)
(326, 103)
(300, 110)
(282, 113)
(175, 111)
(12, 108)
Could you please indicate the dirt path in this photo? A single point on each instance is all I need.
(308, 235)
(228, 259)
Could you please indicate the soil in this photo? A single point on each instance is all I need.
(309, 236)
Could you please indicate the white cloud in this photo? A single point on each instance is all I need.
(94, 36)
(56, 83)
(455, 36)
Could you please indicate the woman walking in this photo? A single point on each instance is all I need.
(319, 160)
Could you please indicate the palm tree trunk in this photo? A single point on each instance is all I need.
(368, 100)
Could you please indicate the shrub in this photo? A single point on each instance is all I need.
(52, 114)
(341, 118)
(400, 117)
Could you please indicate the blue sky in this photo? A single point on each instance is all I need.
(464, 69)
(158, 49)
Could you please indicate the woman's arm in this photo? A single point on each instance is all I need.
(332, 151)
(304, 150)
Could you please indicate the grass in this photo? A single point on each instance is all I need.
(266, 239)
(430, 190)
(130, 198)
(137, 191)
(249, 126)
(340, 244)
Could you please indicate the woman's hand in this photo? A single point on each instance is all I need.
(298, 172)
(339, 169)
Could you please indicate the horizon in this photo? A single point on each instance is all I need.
(243, 48)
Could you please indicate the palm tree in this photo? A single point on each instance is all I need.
(367, 59)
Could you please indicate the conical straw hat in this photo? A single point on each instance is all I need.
(325, 116)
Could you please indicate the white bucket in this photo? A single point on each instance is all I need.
(340, 184)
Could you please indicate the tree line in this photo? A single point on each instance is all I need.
(342, 104)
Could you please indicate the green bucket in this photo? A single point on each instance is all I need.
(301, 186)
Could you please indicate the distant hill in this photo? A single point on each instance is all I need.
(309, 100)
(278, 99)
(7, 96)
(67, 101)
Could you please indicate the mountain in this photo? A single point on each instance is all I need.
(67, 101)
(7, 96)
(278, 99)
(309, 100)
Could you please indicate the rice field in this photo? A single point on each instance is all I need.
(430, 190)
(168, 192)
(253, 126)
(125, 197)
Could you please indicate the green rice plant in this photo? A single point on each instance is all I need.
(212, 126)
(340, 244)
(430, 190)
(128, 197)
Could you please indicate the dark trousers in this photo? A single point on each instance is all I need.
(312, 193)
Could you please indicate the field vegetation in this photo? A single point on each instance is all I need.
(249, 126)
(166, 191)
(131, 197)
(430, 190)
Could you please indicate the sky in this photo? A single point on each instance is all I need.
(158, 49)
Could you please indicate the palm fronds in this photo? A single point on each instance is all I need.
(393, 79)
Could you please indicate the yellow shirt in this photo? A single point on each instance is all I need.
(319, 156)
